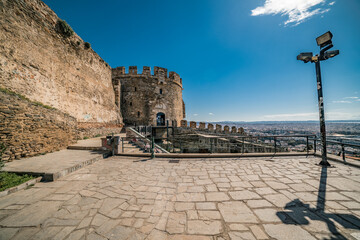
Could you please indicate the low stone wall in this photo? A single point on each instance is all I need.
(29, 128)
(95, 129)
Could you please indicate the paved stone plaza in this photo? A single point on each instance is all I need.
(125, 198)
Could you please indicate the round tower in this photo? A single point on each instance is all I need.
(148, 99)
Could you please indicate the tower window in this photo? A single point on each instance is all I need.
(130, 103)
(135, 89)
(160, 90)
(138, 114)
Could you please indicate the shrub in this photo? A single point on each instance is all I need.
(8, 180)
(64, 28)
(87, 45)
(42, 105)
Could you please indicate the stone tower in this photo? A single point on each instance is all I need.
(146, 99)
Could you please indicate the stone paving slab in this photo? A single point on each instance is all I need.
(127, 198)
(54, 165)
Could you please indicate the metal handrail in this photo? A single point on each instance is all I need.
(342, 144)
(147, 140)
(259, 142)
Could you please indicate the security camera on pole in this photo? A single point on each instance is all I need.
(325, 43)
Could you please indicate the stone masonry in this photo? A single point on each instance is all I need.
(28, 128)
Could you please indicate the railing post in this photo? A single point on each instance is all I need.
(243, 145)
(343, 151)
(122, 145)
(167, 128)
(274, 144)
(112, 144)
(152, 148)
(180, 145)
(307, 144)
(314, 144)
(173, 145)
(211, 145)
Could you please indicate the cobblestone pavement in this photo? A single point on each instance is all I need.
(124, 198)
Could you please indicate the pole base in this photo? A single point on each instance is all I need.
(324, 163)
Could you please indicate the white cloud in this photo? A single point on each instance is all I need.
(211, 114)
(351, 97)
(332, 3)
(296, 10)
(341, 101)
(195, 114)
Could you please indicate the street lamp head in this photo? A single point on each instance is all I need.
(305, 57)
(324, 39)
(330, 54)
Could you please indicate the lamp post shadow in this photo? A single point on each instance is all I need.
(296, 212)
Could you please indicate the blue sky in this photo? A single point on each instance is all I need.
(237, 58)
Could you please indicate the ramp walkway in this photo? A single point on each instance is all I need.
(54, 165)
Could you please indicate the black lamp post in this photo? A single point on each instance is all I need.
(325, 43)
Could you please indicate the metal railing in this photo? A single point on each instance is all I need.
(231, 143)
(238, 144)
(141, 141)
(213, 144)
(342, 152)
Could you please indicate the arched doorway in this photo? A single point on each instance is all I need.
(160, 119)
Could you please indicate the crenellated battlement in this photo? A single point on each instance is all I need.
(210, 127)
(159, 72)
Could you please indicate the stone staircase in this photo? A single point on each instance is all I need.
(131, 148)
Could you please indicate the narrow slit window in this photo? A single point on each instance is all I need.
(161, 91)
(138, 114)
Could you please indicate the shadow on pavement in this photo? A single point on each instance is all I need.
(298, 213)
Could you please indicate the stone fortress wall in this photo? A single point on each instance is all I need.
(143, 97)
(40, 63)
(54, 88)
